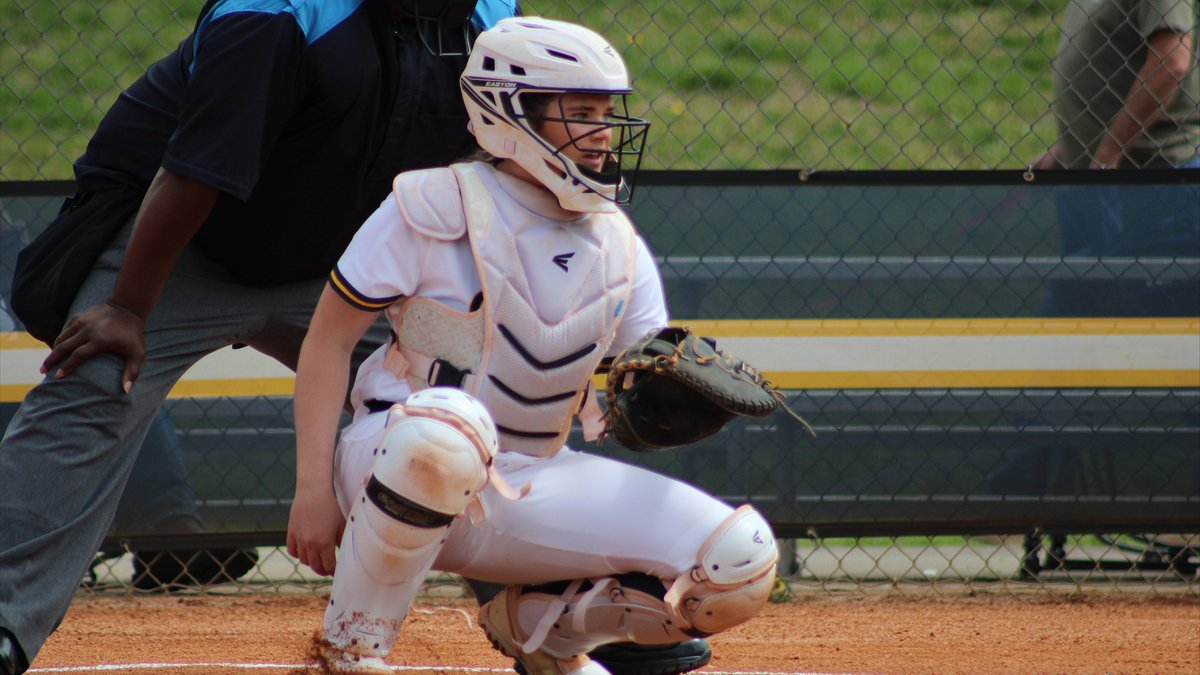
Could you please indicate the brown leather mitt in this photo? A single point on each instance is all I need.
(674, 388)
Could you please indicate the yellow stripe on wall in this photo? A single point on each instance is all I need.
(264, 386)
(21, 341)
(227, 372)
(940, 327)
(267, 386)
(823, 354)
(988, 379)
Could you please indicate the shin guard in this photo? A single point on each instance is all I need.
(432, 461)
(729, 585)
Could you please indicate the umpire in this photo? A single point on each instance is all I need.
(250, 155)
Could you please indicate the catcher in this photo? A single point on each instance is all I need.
(507, 282)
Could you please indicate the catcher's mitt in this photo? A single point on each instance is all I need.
(674, 387)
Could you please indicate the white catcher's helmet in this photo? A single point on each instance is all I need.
(531, 55)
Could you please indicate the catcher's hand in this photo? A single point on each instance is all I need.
(673, 388)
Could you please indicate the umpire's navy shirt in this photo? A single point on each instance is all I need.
(300, 112)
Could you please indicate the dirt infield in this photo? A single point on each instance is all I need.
(817, 633)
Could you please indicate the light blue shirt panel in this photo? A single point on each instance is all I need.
(315, 17)
(488, 12)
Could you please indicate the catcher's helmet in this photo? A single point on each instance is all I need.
(525, 56)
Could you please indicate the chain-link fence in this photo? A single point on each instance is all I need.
(752, 84)
(1001, 365)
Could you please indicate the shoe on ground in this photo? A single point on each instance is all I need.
(12, 659)
(629, 658)
(335, 661)
(498, 618)
(173, 570)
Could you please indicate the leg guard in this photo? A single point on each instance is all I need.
(432, 461)
(733, 579)
(501, 620)
(729, 585)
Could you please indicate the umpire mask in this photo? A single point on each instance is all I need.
(443, 26)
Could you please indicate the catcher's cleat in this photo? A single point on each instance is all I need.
(173, 570)
(629, 658)
(335, 662)
(498, 618)
(625, 658)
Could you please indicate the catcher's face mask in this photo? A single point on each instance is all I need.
(585, 130)
(525, 60)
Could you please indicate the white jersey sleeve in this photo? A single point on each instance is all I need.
(383, 262)
(647, 303)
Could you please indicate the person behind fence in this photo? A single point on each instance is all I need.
(250, 155)
(1126, 95)
(507, 282)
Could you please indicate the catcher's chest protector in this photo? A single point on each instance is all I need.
(553, 297)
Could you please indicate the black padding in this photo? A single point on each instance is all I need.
(404, 510)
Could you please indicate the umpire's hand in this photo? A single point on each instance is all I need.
(99, 329)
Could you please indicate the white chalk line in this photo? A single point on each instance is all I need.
(435, 610)
(249, 666)
(309, 666)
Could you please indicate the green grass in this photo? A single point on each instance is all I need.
(865, 84)
(62, 64)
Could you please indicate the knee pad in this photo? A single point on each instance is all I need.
(434, 456)
(733, 578)
(433, 459)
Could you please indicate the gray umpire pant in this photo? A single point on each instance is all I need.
(69, 450)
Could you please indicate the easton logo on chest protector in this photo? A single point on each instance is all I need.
(562, 258)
